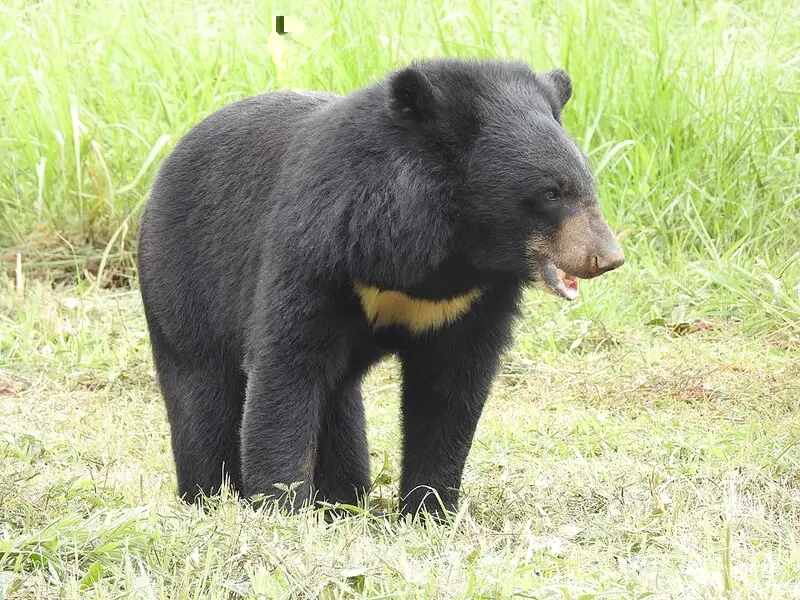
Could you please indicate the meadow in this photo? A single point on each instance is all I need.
(643, 442)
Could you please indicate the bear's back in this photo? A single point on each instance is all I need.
(198, 230)
(243, 142)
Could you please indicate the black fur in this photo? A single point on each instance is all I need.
(266, 213)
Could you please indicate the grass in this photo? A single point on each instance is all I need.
(688, 111)
(665, 464)
(642, 442)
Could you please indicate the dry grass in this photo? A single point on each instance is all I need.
(663, 464)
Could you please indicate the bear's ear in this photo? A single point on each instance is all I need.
(560, 83)
(411, 95)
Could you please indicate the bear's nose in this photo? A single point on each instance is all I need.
(609, 262)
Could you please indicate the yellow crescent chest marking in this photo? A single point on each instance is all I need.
(388, 307)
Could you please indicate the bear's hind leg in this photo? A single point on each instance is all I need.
(341, 474)
(204, 404)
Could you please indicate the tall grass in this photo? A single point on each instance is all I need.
(688, 109)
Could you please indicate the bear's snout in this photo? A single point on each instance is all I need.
(608, 262)
(585, 245)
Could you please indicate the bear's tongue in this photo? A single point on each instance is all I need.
(558, 281)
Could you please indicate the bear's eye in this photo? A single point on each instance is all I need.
(551, 195)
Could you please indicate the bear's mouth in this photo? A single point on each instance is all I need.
(559, 282)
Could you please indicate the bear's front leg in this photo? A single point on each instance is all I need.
(294, 369)
(342, 470)
(446, 381)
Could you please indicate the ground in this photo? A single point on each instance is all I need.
(661, 460)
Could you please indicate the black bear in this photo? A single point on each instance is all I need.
(293, 239)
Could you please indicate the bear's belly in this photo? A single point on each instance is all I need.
(384, 308)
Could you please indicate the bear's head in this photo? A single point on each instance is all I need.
(522, 198)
